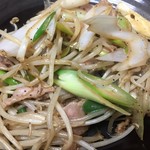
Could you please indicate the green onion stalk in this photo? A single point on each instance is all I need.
(43, 27)
(110, 95)
(22, 110)
(9, 81)
(91, 106)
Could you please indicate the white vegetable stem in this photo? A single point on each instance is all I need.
(69, 4)
(9, 46)
(138, 45)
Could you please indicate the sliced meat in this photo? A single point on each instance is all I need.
(121, 127)
(80, 130)
(5, 63)
(74, 111)
(26, 93)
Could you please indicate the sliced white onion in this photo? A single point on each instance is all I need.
(106, 26)
(138, 45)
(69, 4)
(23, 48)
(102, 8)
(10, 47)
(85, 39)
(118, 55)
(51, 28)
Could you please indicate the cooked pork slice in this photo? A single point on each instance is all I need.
(5, 62)
(27, 93)
(74, 111)
(121, 127)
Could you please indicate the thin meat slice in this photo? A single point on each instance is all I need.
(121, 127)
(5, 62)
(74, 111)
(26, 93)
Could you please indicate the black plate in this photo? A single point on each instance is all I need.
(24, 9)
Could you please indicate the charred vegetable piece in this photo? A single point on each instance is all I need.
(91, 106)
(9, 81)
(71, 82)
(43, 27)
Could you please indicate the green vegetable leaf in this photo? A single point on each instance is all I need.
(43, 27)
(9, 81)
(91, 106)
(119, 43)
(22, 110)
(123, 23)
(65, 51)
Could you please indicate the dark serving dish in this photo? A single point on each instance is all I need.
(27, 8)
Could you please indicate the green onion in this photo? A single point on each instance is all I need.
(43, 27)
(91, 106)
(123, 23)
(22, 110)
(65, 52)
(2, 72)
(29, 77)
(119, 43)
(110, 91)
(62, 26)
(71, 82)
(9, 81)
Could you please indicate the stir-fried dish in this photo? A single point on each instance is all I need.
(70, 68)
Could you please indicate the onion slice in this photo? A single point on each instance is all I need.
(117, 56)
